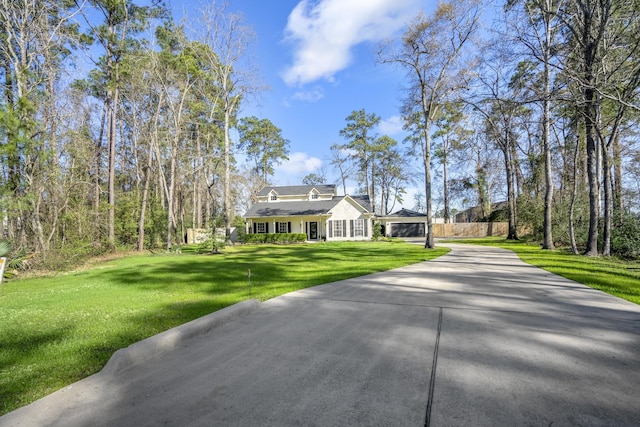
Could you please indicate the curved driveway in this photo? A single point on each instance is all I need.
(475, 337)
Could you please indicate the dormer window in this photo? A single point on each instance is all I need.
(314, 196)
(274, 197)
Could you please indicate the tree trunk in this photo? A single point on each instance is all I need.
(227, 174)
(548, 172)
(592, 173)
(606, 170)
(429, 241)
(511, 195)
(170, 200)
(574, 195)
(445, 187)
(147, 182)
(511, 202)
(111, 129)
(617, 177)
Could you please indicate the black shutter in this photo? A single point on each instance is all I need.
(351, 227)
(366, 231)
(289, 227)
(255, 228)
(344, 228)
(277, 227)
(330, 228)
(266, 227)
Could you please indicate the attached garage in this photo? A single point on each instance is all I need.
(404, 223)
(407, 229)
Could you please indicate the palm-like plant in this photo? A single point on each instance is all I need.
(4, 248)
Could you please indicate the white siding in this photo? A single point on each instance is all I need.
(347, 212)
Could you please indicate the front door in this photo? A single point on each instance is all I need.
(313, 231)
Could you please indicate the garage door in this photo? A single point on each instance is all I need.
(408, 229)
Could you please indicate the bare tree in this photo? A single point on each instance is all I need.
(431, 52)
(228, 39)
(340, 161)
(537, 27)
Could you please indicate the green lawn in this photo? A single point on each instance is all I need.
(614, 276)
(57, 330)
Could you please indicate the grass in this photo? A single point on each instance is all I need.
(611, 275)
(56, 330)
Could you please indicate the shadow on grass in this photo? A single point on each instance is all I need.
(126, 300)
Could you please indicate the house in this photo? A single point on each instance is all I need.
(315, 210)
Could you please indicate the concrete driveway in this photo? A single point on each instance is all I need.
(473, 338)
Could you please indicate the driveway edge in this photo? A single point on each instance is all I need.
(143, 350)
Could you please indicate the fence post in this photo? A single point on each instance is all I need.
(3, 263)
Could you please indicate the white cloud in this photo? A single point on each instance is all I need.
(299, 163)
(391, 126)
(314, 95)
(325, 31)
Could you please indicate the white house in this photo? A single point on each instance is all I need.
(314, 210)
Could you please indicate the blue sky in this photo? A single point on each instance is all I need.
(318, 58)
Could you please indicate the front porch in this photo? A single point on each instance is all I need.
(314, 227)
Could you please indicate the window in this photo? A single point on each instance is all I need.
(314, 196)
(274, 197)
(283, 227)
(358, 228)
(337, 229)
(260, 227)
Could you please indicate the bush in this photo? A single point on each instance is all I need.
(625, 236)
(377, 231)
(275, 238)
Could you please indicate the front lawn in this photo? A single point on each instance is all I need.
(57, 330)
(614, 276)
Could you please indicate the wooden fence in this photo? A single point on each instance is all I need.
(471, 229)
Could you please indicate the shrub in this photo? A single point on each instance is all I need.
(275, 238)
(625, 236)
(377, 231)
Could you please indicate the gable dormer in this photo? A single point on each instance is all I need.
(314, 194)
(273, 196)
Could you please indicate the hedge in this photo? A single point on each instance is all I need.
(275, 238)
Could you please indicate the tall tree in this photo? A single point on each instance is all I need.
(359, 132)
(602, 60)
(537, 28)
(391, 177)
(431, 52)
(314, 179)
(340, 161)
(36, 38)
(264, 145)
(229, 40)
(122, 20)
(500, 110)
(450, 133)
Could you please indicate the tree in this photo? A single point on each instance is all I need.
(264, 145)
(603, 42)
(537, 28)
(313, 179)
(36, 41)
(228, 39)
(500, 110)
(391, 176)
(451, 134)
(340, 161)
(359, 133)
(122, 21)
(431, 52)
